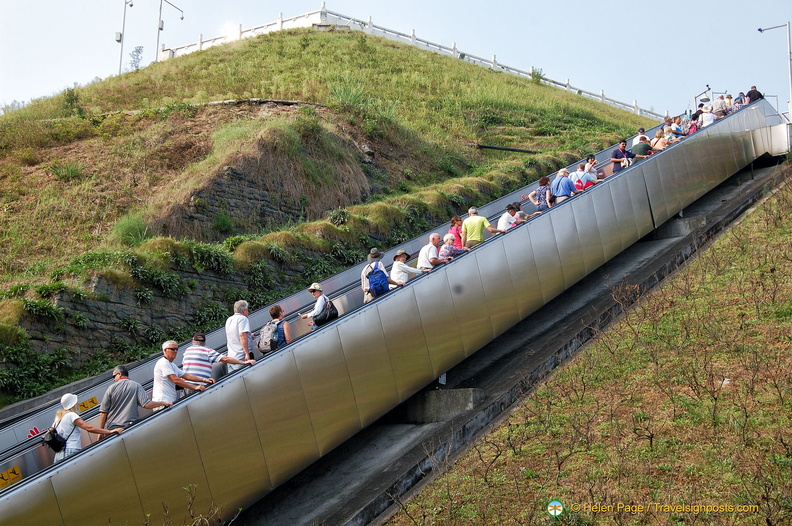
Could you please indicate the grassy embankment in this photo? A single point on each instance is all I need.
(686, 401)
(83, 192)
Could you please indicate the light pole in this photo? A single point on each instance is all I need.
(120, 36)
(161, 26)
(789, 63)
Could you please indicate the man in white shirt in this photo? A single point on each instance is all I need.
(509, 218)
(167, 376)
(238, 335)
(428, 257)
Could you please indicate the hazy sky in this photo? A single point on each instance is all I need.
(661, 54)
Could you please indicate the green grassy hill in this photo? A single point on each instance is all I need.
(125, 174)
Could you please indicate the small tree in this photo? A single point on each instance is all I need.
(135, 57)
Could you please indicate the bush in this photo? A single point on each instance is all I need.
(68, 172)
(130, 230)
(222, 223)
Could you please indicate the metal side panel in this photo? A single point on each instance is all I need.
(499, 292)
(82, 489)
(229, 445)
(165, 445)
(368, 364)
(328, 390)
(625, 223)
(34, 505)
(568, 242)
(607, 224)
(522, 266)
(639, 200)
(439, 324)
(588, 230)
(464, 277)
(660, 194)
(281, 417)
(779, 139)
(731, 140)
(548, 263)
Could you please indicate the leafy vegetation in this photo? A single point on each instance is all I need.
(685, 402)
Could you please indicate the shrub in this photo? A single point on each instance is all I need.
(130, 230)
(68, 172)
(222, 223)
(339, 216)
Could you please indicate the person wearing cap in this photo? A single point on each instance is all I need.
(321, 300)
(198, 358)
(238, 334)
(66, 423)
(473, 228)
(167, 376)
(374, 263)
(509, 218)
(429, 257)
(119, 407)
(401, 271)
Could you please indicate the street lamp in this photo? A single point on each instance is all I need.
(161, 25)
(789, 63)
(120, 36)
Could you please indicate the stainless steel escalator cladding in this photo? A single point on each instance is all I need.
(222, 419)
(101, 485)
(328, 390)
(165, 458)
(369, 364)
(281, 415)
(496, 280)
(36, 504)
(522, 266)
(467, 291)
(405, 329)
(588, 231)
(567, 243)
(546, 258)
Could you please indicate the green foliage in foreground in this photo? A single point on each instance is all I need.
(687, 401)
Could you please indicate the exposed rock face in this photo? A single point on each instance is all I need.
(236, 196)
(113, 314)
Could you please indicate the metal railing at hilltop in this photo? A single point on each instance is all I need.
(323, 18)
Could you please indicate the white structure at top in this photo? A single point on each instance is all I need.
(326, 19)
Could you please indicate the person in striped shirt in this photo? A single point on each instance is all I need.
(198, 359)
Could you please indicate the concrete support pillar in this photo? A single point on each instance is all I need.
(412, 37)
(602, 95)
(454, 52)
(494, 62)
(369, 26)
(280, 21)
(566, 86)
(200, 41)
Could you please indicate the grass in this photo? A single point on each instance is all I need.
(686, 401)
(102, 179)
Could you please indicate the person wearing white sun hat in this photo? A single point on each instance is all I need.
(66, 423)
